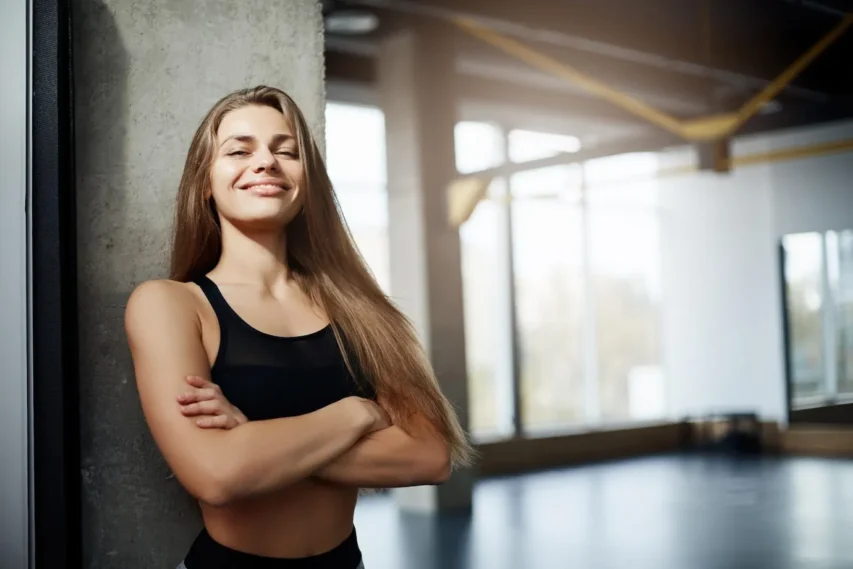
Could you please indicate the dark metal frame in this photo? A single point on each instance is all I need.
(55, 434)
(786, 334)
(830, 412)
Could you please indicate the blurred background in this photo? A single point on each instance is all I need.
(623, 229)
(634, 282)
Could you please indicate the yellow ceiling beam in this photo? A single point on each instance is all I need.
(712, 127)
(464, 194)
(556, 68)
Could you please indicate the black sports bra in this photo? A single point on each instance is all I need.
(269, 377)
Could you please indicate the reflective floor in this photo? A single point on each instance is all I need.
(679, 512)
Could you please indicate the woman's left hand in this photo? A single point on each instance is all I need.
(207, 402)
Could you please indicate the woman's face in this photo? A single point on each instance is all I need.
(256, 175)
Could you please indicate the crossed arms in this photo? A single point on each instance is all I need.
(344, 443)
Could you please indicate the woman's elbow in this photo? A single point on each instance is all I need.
(214, 487)
(438, 468)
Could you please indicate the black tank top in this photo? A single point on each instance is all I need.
(269, 377)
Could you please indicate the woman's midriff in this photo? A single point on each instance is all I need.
(305, 519)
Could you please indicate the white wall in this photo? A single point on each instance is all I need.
(723, 343)
(814, 194)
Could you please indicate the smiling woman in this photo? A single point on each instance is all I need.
(276, 377)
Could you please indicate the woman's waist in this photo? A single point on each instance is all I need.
(304, 520)
(208, 553)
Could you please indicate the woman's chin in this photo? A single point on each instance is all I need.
(263, 221)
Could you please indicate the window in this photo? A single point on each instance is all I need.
(478, 146)
(355, 159)
(526, 145)
(485, 288)
(548, 255)
(804, 294)
(560, 284)
(587, 287)
(488, 341)
(844, 312)
(625, 286)
(819, 309)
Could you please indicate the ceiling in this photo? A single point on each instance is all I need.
(686, 57)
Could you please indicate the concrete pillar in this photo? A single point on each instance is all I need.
(145, 75)
(416, 89)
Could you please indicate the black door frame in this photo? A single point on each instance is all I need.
(55, 427)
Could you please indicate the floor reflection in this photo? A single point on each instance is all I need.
(683, 512)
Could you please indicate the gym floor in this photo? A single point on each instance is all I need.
(678, 511)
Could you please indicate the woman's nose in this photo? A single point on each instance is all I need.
(265, 161)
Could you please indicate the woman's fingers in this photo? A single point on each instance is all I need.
(217, 422)
(197, 381)
(210, 407)
(206, 399)
(197, 395)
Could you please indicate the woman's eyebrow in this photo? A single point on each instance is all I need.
(248, 138)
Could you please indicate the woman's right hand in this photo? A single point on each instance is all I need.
(375, 418)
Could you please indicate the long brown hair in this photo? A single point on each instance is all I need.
(380, 341)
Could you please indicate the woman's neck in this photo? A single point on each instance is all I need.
(258, 258)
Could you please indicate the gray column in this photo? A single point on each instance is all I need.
(145, 75)
(415, 78)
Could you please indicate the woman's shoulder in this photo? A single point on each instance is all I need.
(156, 298)
(157, 291)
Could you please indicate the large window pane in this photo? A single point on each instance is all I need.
(844, 312)
(485, 282)
(478, 146)
(488, 340)
(553, 183)
(526, 145)
(547, 248)
(804, 291)
(622, 169)
(625, 284)
(355, 158)
(625, 281)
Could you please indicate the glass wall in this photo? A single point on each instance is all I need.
(560, 271)
(550, 304)
(355, 159)
(584, 290)
(622, 239)
(485, 287)
(844, 312)
(819, 312)
(804, 270)
(547, 246)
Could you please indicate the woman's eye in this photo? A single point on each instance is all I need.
(289, 153)
(238, 153)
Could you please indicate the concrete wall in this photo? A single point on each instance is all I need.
(145, 74)
(723, 341)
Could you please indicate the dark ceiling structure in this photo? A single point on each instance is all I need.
(688, 58)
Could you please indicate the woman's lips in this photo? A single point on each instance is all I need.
(265, 190)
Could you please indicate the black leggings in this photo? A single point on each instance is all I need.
(205, 553)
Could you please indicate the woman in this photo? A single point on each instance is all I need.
(271, 320)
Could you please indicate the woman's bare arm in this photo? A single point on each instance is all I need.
(221, 466)
(392, 458)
